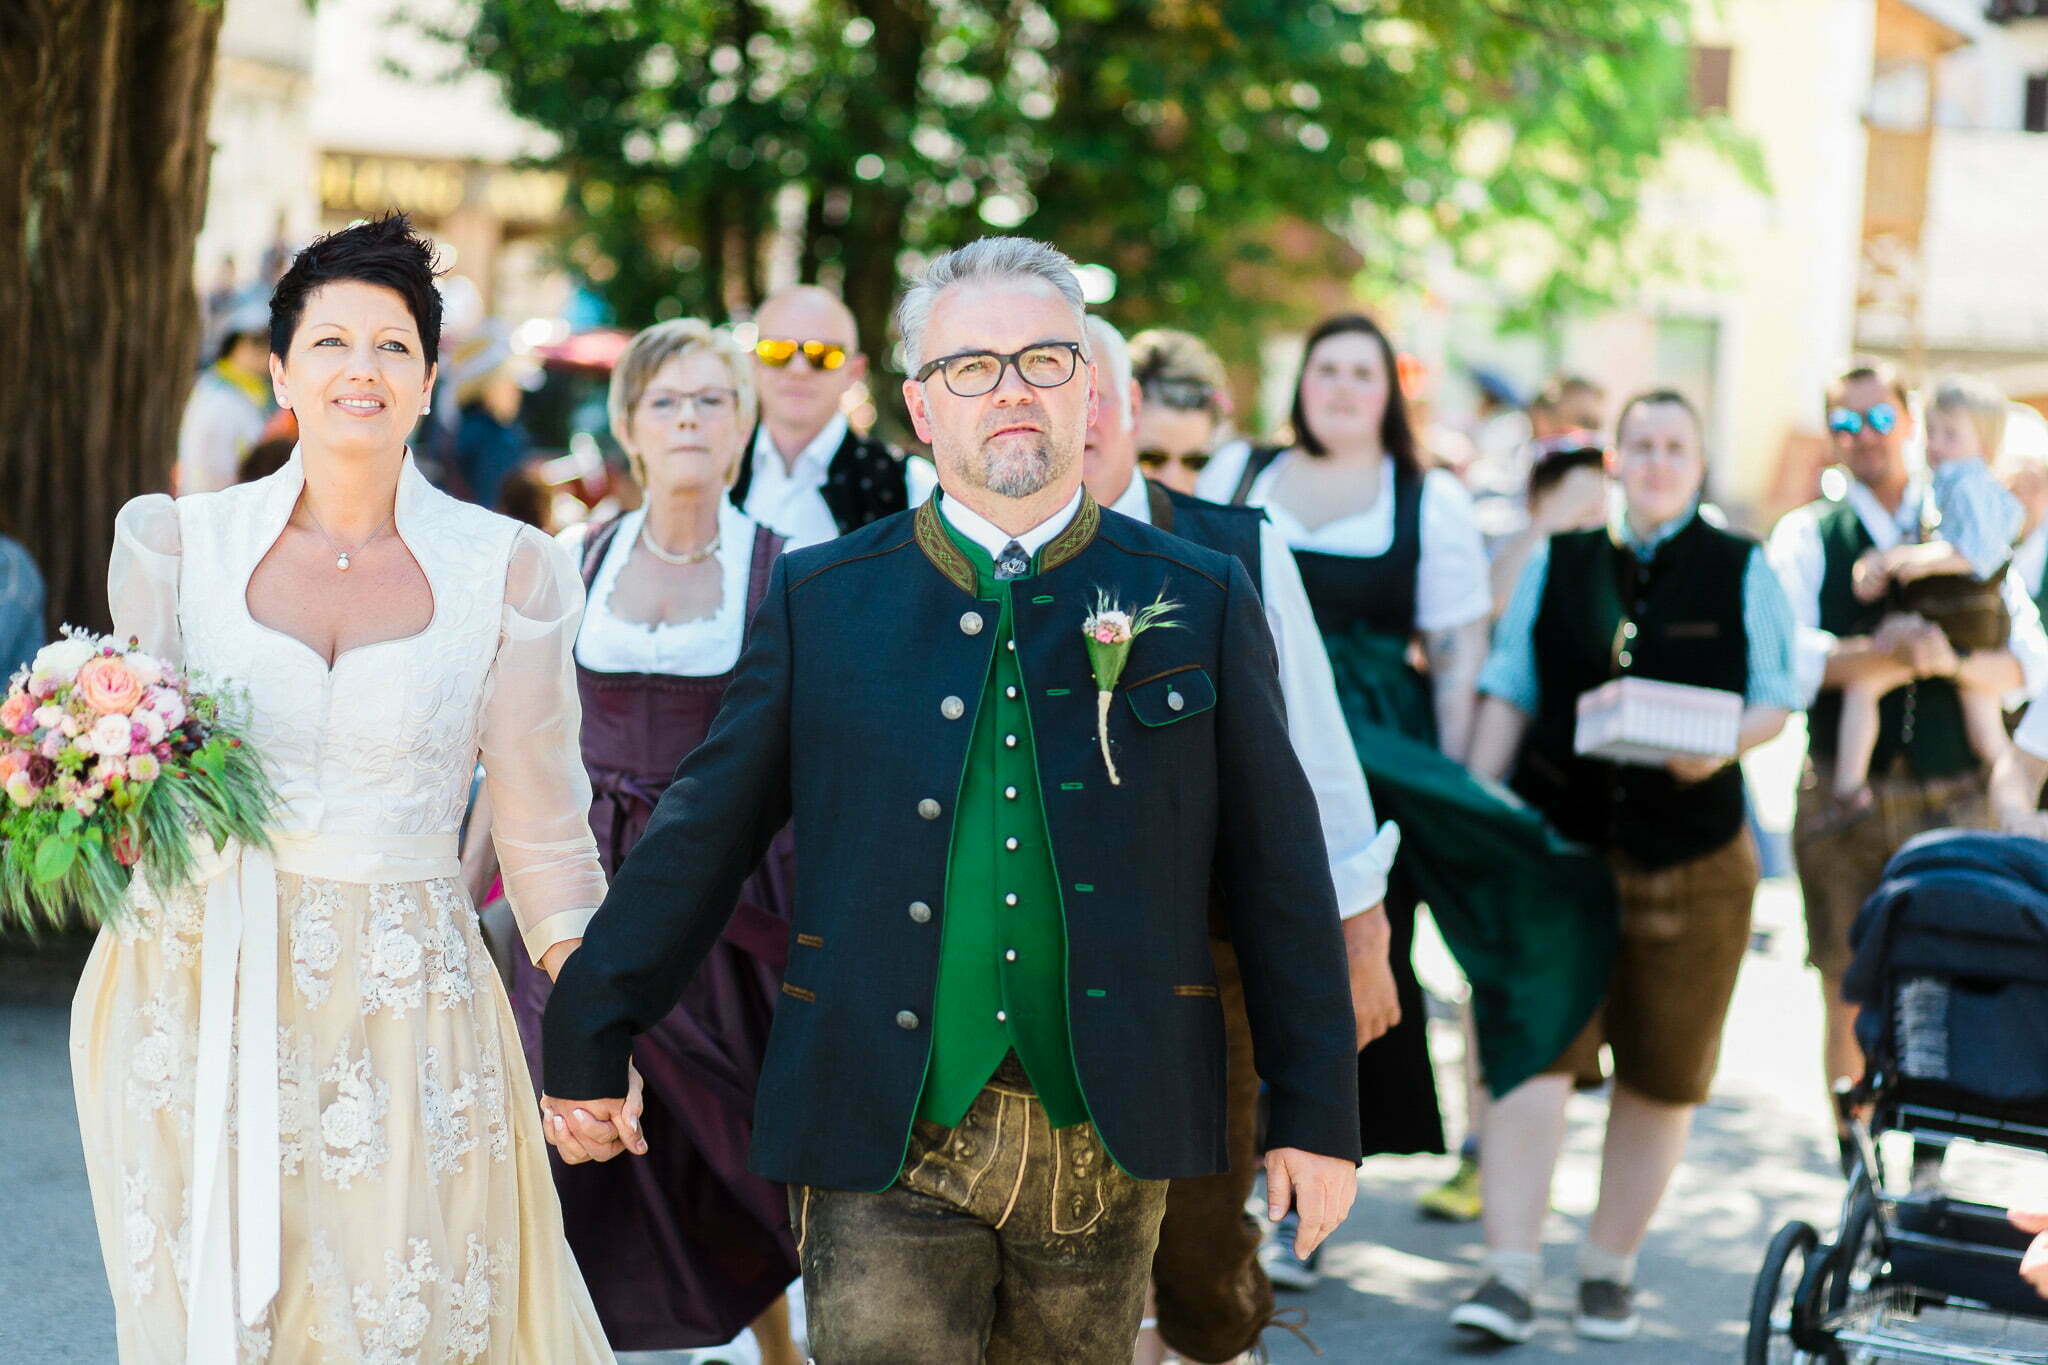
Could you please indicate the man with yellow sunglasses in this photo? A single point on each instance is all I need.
(809, 475)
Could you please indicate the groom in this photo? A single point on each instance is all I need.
(1002, 1034)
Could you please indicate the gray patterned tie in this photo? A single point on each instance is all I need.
(1012, 562)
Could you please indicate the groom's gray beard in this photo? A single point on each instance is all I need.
(1018, 473)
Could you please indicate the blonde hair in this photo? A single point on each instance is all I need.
(653, 348)
(1980, 401)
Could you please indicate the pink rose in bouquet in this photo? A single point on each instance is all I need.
(108, 686)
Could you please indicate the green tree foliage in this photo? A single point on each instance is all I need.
(1213, 154)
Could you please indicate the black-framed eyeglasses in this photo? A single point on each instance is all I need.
(1194, 462)
(970, 374)
(1881, 418)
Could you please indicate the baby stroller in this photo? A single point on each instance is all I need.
(1951, 972)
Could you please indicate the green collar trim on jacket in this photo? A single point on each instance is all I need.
(946, 557)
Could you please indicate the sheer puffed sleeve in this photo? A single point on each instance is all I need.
(142, 576)
(533, 765)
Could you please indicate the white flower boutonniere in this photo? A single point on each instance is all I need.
(1109, 632)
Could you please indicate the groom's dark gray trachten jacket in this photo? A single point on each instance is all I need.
(834, 719)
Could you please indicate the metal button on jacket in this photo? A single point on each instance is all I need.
(928, 808)
(1626, 658)
(952, 708)
(970, 623)
(905, 1019)
(1175, 701)
(920, 912)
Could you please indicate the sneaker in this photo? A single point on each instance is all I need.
(1457, 1199)
(1282, 1266)
(1607, 1311)
(1496, 1311)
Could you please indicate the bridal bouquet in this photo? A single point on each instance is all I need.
(110, 759)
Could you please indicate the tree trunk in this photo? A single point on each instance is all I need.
(103, 168)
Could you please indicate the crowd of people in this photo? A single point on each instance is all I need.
(893, 961)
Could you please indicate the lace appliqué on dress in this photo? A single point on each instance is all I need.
(316, 947)
(389, 957)
(139, 1231)
(474, 1300)
(446, 1116)
(163, 1061)
(298, 1098)
(353, 1141)
(451, 969)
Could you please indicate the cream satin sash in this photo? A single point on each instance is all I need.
(238, 1028)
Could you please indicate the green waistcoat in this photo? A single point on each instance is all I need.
(1003, 952)
(1922, 721)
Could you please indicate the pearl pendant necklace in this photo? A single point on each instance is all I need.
(342, 553)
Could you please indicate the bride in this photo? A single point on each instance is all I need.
(309, 1130)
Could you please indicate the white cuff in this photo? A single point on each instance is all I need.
(563, 924)
(1362, 879)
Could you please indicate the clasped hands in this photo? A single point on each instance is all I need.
(595, 1130)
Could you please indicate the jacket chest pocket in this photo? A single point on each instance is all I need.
(1173, 695)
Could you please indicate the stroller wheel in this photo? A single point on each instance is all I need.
(1859, 1251)
(1777, 1303)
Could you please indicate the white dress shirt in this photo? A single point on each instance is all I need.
(1795, 551)
(1451, 585)
(1361, 850)
(993, 538)
(786, 495)
(703, 648)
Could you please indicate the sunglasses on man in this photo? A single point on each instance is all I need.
(1879, 417)
(1194, 462)
(779, 351)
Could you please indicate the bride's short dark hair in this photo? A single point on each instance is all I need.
(385, 251)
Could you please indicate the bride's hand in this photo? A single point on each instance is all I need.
(551, 961)
(596, 1130)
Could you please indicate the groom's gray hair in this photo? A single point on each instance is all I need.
(982, 261)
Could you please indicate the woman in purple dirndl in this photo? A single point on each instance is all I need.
(683, 1246)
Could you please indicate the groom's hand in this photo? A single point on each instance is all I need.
(596, 1130)
(1321, 1188)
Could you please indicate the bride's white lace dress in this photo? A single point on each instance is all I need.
(309, 1128)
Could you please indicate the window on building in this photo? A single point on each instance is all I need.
(1712, 73)
(2035, 117)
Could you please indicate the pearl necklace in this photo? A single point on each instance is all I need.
(341, 555)
(682, 561)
